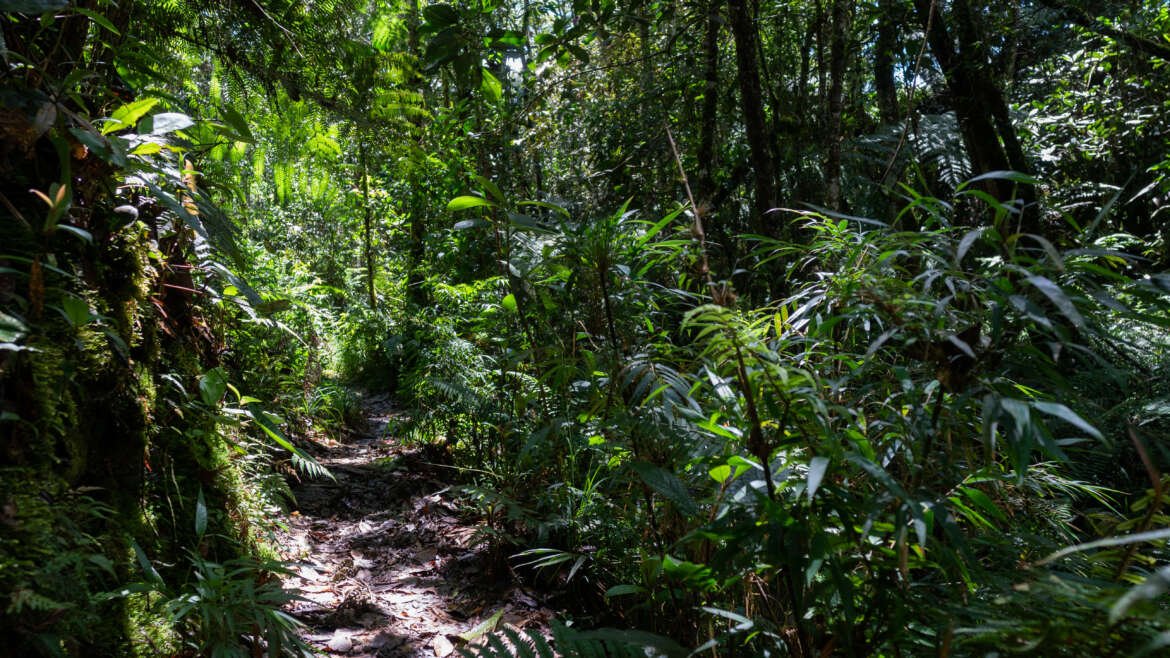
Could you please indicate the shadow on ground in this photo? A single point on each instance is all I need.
(385, 559)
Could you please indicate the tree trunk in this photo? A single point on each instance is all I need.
(842, 29)
(751, 98)
(883, 62)
(367, 224)
(415, 293)
(705, 187)
(980, 107)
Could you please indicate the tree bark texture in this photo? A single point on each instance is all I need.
(710, 111)
(842, 18)
(980, 107)
(367, 225)
(743, 30)
(883, 61)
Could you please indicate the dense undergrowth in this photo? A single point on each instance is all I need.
(890, 458)
(141, 461)
(932, 425)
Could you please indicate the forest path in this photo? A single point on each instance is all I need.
(385, 558)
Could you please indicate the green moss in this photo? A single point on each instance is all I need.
(58, 554)
(148, 632)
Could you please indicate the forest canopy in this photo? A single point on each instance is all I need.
(783, 327)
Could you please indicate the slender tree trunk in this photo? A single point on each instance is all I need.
(980, 107)
(842, 30)
(883, 61)
(978, 133)
(706, 180)
(743, 30)
(822, 68)
(802, 94)
(367, 223)
(971, 44)
(415, 293)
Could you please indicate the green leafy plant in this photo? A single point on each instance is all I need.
(228, 608)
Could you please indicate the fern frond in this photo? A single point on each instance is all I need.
(646, 380)
(570, 643)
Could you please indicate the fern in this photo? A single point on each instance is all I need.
(570, 643)
(26, 599)
(937, 145)
(645, 380)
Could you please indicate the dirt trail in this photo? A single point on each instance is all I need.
(385, 557)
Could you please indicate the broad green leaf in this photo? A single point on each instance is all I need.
(238, 123)
(145, 564)
(657, 227)
(578, 52)
(465, 224)
(525, 223)
(109, 149)
(12, 328)
(965, 244)
(1058, 297)
(623, 590)
(720, 473)
(264, 421)
(741, 465)
(80, 233)
(816, 472)
(200, 515)
(1013, 176)
(984, 502)
(668, 485)
(509, 303)
(971, 515)
(465, 202)
(490, 189)
(891, 485)
(76, 311)
(440, 15)
(743, 621)
(486, 626)
(647, 644)
(99, 19)
(212, 386)
(490, 86)
(128, 115)
(164, 123)
(147, 148)
(1069, 416)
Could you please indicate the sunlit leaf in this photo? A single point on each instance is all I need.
(212, 386)
(1058, 297)
(200, 515)
(164, 123)
(129, 114)
(816, 472)
(99, 19)
(465, 202)
(720, 473)
(490, 86)
(1069, 416)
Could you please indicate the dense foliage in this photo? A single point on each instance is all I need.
(764, 328)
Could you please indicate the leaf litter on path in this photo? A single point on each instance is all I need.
(382, 556)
